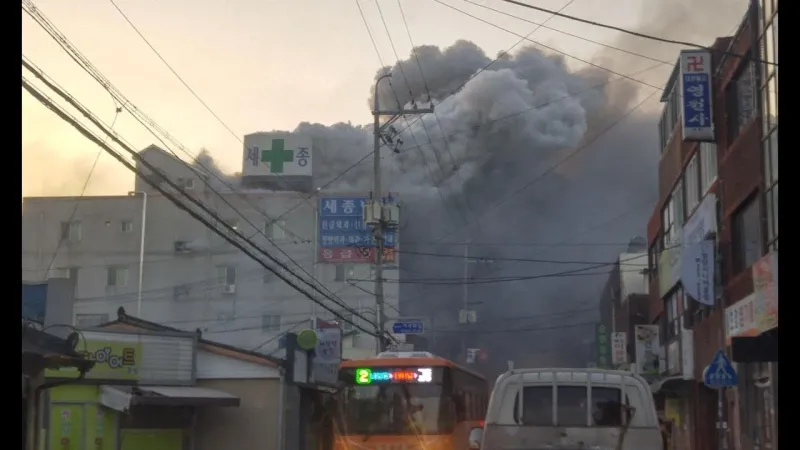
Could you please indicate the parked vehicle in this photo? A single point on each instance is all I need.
(569, 409)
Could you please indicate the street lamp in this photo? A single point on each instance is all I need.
(141, 250)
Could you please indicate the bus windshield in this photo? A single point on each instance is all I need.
(393, 409)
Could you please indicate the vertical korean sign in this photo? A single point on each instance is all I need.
(765, 285)
(647, 349)
(342, 235)
(603, 347)
(696, 96)
(619, 349)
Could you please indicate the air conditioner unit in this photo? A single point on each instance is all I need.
(229, 289)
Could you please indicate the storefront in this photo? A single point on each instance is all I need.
(138, 396)
(753, 335)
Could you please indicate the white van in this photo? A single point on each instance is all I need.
(569, 409)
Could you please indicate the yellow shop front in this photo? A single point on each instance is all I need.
(138, 396)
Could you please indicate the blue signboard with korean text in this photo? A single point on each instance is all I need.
(696, 96)
(342, 235)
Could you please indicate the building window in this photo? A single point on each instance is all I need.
(90, 320)
(708, 165)
(746, 236)
(347, 325)
(127, 226)
(185, 183)
(771, 202)
(653, 255)
(343, 272)
(270, 322)
(740, 100)
(117, 276)
(667, 224)
(692, 177)
(66, 272)
(670, 117)
(768, 44)
(679, 212)
(181, 292)
(275, 229)
(674, 306)
(226, 275)
(71, 231)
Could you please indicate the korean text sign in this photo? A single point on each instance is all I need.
(112, 361)
(344, 237)
(696, 96)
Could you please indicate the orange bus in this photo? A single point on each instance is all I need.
(408, 401)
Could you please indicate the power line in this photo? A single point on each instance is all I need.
(548, 47)
(44, 99)
(634, 33)
(493, 280)
(494, 258)
(85, 64)
(519, 330)
(543, 25)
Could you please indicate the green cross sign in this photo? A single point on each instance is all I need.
(277, 156)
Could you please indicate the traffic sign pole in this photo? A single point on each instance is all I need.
(720, 375)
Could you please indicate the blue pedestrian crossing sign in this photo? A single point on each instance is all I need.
(720, 373)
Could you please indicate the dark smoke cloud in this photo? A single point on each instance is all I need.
(505, 128)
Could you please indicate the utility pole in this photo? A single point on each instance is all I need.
(376, 214)
(467, 316)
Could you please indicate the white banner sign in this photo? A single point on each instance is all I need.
(647, 349)
(619, 351)
(276, 155)
(327, 356)
(697, 271)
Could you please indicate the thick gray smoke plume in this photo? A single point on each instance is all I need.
(482, 170)
(526, 103)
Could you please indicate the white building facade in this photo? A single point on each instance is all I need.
(191, 277)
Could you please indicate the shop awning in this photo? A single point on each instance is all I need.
(667, 384)
(122, 398)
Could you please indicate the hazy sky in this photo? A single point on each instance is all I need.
(260, 65)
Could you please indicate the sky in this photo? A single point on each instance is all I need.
(259, 65)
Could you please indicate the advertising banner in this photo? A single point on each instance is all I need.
(741, 319)
(646, 338)
(342, 235)
(327, 353)
(696, 96)
(669, 268)
(619, 350)
(697, 271)
(277, 154)
(603, 350)
(113, 361)
(765, 285)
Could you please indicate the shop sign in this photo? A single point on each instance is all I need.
(619, 348)
(765, 284)
(669, 268)
(112, 361)
(648, 355)
(740, 319)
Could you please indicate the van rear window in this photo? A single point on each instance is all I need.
(537, 406)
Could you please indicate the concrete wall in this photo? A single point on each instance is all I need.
(182, 289)
(253, 425)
